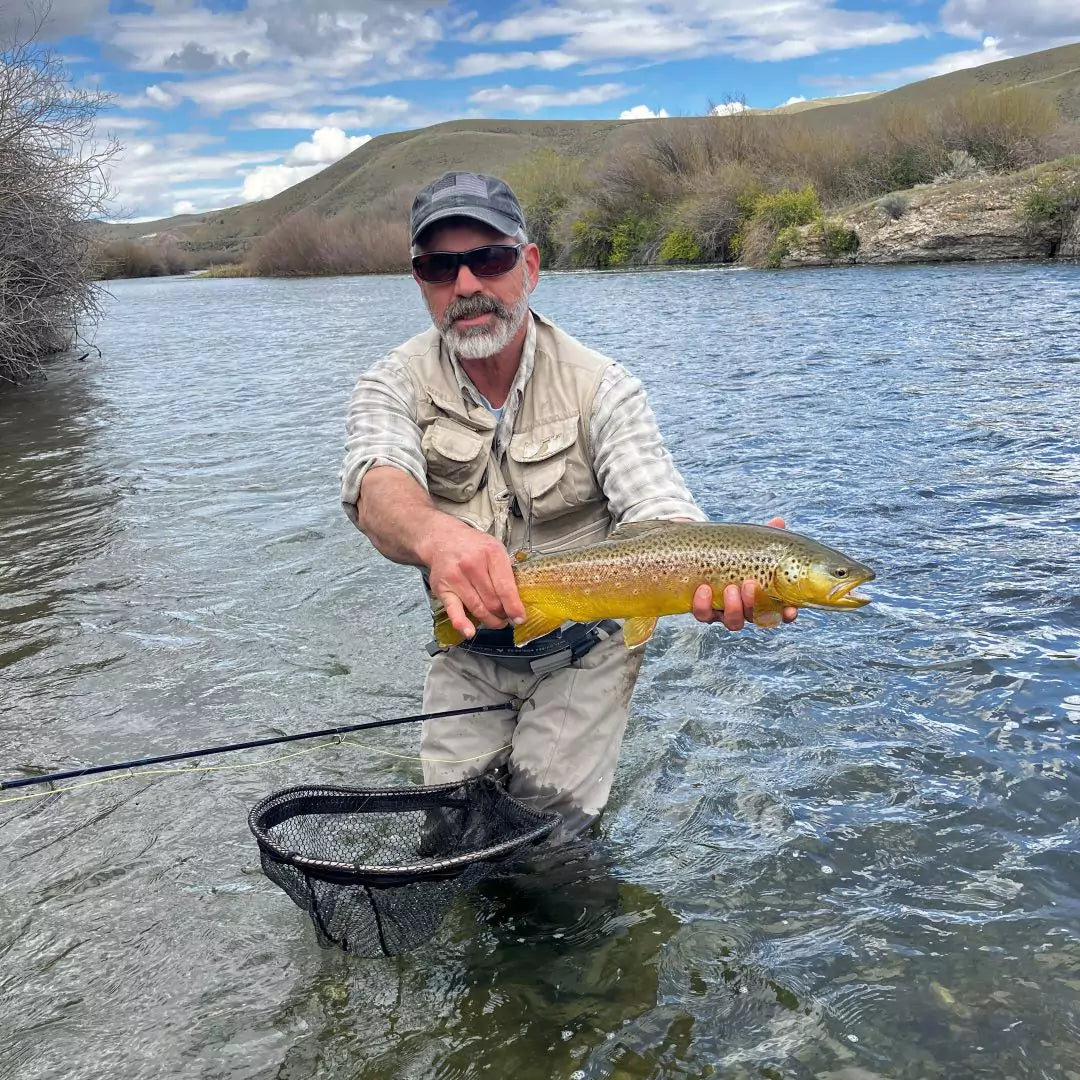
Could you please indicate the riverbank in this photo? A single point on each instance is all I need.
(1032, 214)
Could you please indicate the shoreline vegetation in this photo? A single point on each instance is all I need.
(981, 174)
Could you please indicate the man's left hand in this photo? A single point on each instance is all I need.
(738, 601)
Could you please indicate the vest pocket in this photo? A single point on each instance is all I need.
(456, 457)
(556, 477)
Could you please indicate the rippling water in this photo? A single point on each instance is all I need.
(846, 849)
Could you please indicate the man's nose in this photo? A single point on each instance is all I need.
(467, 283)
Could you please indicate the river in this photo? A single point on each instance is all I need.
(845, 849)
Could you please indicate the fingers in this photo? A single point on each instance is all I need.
(455, 612)
(504, 587)
(734, 607)
(702, 605)
(472, 574)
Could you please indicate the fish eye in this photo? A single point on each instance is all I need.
(840, 572)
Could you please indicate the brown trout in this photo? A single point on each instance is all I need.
(651, 568)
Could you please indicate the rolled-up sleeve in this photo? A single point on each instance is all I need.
(633, 466)
(381, 429)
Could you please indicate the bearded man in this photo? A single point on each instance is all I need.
(493, 431)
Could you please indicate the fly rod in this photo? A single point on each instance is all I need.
(345, 729)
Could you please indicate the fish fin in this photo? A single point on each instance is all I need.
(445, 634)
(537, 624)
(636, 632)
(768, 611)
(635, 528)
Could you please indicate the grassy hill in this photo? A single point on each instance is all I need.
(383, 174)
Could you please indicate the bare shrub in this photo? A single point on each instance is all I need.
(140, 258)
(51, 184)
(305, 244)
(1002, 130)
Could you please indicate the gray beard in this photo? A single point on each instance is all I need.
(480, 342)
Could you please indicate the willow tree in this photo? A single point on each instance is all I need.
(52, 185)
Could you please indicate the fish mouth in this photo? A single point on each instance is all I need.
(844, 594)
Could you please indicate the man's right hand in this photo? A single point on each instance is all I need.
(470, 571)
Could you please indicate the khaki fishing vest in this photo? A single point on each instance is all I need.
(546, 477)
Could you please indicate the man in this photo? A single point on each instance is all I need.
(491, 432)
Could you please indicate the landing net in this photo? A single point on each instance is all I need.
(377, 870)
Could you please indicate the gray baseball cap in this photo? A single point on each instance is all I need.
(472, 195)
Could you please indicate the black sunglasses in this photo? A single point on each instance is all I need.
(491, 260)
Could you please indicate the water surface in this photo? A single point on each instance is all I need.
(846, 849)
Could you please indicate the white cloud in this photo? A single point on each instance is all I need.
(327, 144)
(304, 160)
(189, 39)
(674, 29)
(487, 63)
(363, 112)
(150, 176)
(990, 51)
(532, 98)
(641, 112)
(267, 181)
(184, 206)
(793, 100)
(728, 108)
(1019, 25)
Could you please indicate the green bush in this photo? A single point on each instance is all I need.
(628, 237)
(781, 249)
(1053, 199)
(788, 207)
(680, 246)
(839, 240)
(590, 243)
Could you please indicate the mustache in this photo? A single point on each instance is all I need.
(468, 307)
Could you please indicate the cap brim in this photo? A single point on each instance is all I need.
(499, 222)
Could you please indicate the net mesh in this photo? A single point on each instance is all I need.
(377, 869)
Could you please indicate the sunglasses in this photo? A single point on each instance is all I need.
(491, 260)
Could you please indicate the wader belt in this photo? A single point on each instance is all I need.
(551, 652)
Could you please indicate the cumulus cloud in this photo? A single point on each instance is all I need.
(327, 144)
(530, 99)
(728, 108)
(641, 112)
(305, 159)
(184, 206)
(793, 100)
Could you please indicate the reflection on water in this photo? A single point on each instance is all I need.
(843, 850)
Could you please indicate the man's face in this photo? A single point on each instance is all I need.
(478, 316)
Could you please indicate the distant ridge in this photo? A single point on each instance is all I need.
(390, 167)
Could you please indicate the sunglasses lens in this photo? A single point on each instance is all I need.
(438, 267)
(491, 261)
(442, 266)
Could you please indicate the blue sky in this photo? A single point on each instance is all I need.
(224, 101)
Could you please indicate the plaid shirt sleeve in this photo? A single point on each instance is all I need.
(381, 429)
(634, 469)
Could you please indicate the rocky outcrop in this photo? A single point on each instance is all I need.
(967, 220)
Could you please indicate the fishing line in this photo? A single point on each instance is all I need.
(208, 751)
